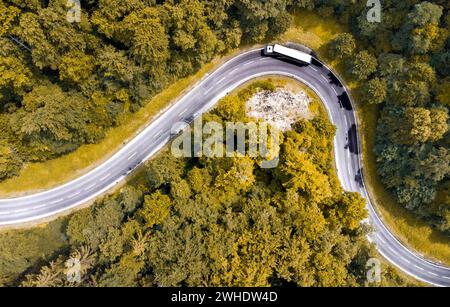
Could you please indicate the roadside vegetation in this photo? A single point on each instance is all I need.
(395, 66)
(56, 171)
(335, 41)
(212, 222)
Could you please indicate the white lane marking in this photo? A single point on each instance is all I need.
(149, 146)
(76, 193)
(404, 259)
(57, 201)
(313, 68)
(158, 133)
(132, 156)
(381, 240)
(434, 274)
(346, 123)
(222, 79)
(234, 70)
(334, 90)
(324, 78)
(38, 207)
(20, 210)
(184, 111)
(247, 64)
(446, 277)
(90, 187)
(208, 90)
(104, 178)
(418, 267)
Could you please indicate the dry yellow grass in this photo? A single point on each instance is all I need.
(313, 31)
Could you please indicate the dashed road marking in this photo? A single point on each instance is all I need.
(90, 187)
(38, 207)
(221, 80)
(20, 210)
(418, 267)
(404, 259)
(234, 70)
(132, 156)
(381, 240)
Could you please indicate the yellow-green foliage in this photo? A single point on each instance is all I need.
(225, 221)
(7, 16)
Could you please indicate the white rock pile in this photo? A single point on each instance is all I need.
(280, 108)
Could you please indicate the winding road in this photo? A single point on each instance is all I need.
(202, 97)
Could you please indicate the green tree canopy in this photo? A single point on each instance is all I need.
(363, 65)
(342, 46)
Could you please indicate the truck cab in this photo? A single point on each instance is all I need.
(268, 50)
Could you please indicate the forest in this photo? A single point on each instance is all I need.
(64, 84)
(212, 222)
(405, 69)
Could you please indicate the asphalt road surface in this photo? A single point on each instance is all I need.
(201, 98)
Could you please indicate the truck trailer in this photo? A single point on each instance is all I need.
(281, 51)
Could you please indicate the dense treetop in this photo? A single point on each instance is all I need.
(402, 65)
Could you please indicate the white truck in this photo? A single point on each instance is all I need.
(281, 51)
